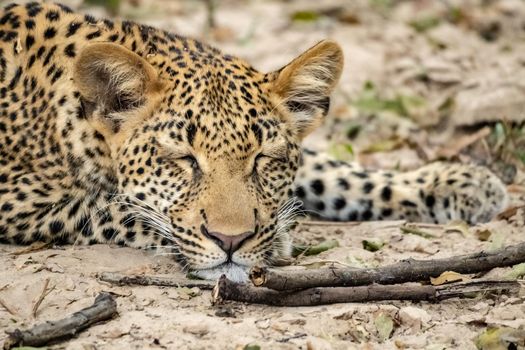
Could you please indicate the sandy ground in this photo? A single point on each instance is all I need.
(178, 318)
(466, 68)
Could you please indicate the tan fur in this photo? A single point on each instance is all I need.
(119, 132)
(310, 78)
(105, 70)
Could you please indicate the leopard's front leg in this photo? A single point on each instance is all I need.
(48, 211)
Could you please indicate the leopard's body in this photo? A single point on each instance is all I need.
(119, 132)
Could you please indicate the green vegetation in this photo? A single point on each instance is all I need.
(112, 6)
(305, 16)
(370, 101)
(308, 250)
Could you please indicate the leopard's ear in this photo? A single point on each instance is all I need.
(114, 80)
(305, 84)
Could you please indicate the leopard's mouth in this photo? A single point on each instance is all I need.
(233, 271)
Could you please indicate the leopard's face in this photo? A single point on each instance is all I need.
(208, 171)
(209, 164)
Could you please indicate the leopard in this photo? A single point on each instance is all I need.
(114, 132)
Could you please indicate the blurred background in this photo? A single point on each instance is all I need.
(423, 79)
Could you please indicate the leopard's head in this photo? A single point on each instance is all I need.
(205, 147)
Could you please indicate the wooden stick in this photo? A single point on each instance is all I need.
(228, 290)
(7, 308)
(409, 270)
(143, 280)
(103, 308)
(35, 247)
(41, 298)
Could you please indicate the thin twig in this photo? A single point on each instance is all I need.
(144, 280)
(228, 290)
(409, 270)
(45, 292)
(32, 248)
(103, 308)
(330, 223)
(7, 308)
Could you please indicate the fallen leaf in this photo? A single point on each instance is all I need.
(314, 249)
(458, 226)
(384, 325)
(500, 338)
(252, 347)
(516, 272)
(424, 24)
(413, 317)
(186, 293)
(448, 277)
(509, 212)
(353, 261)
(372, 246)
(497, 240)
(483, 235)
(305, 16)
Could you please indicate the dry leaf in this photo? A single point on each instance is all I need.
(516, 272)
(497, 240)
(501, 338)
(458, 226)
(252, 347)
(186, 293)
(372, 246)
(300, 250)
(448, 277)
(384, 325)
(509, 212)
(483, 235)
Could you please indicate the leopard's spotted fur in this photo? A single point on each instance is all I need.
(119, 132)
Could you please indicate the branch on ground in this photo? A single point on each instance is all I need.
(409, 270)
(228, 290)
(103, 308)
(144, 280)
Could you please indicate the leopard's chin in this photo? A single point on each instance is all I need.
(234, 272)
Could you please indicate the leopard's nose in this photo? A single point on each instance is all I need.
(227, 243)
